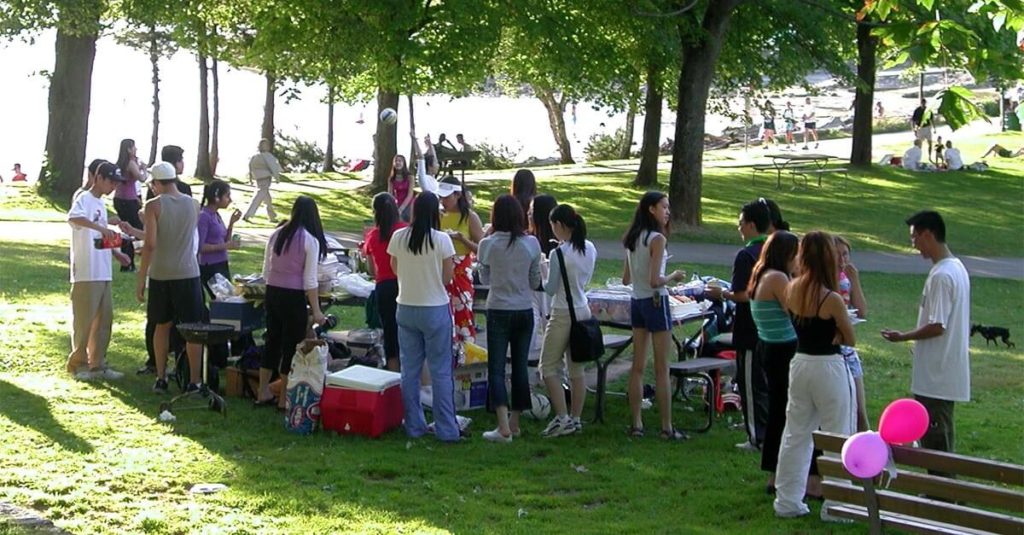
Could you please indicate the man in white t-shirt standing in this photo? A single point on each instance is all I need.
(92, 306)
(941, 372)
(810, 123)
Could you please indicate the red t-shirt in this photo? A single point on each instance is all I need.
(377, 249)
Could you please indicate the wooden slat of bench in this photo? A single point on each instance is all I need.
(950, 489)
(1010, 474)
(946, 513)
(903, 522)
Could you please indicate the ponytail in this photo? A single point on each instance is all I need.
(566, 215)
(214, 190)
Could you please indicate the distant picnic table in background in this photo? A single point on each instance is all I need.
(798, 164)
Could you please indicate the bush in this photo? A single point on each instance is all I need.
(991, 108)
(298, 156)
(494, 156)
(605, 147)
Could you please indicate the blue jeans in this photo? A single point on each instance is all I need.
(505, 328)
(425, 335)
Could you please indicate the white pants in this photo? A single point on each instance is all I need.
(821, 396)
(262, 196)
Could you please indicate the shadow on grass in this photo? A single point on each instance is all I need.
(33, 412)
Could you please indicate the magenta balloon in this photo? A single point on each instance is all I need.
(865, 454)
(903, 421)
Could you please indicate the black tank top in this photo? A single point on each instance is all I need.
(815, 335)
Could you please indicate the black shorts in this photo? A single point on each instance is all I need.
(179, 300)
(809, 126)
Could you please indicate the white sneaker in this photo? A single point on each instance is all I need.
(110, 374)
(577, 425)
(558, 426)
(747, 446)
(495, 436)
(88, 375)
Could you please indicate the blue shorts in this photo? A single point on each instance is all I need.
(852, 360)
(644, 315)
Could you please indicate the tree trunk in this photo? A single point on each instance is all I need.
(267, 130)
(329, 151)
(863, 101)
(154, 60)
(215, 136)
(412, 128)
(68, 127)
(647, 174)
(556, 119)
(695, 76)
(385, 142)
(203, 170)
(627, 142)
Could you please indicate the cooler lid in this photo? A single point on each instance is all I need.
(364, 378)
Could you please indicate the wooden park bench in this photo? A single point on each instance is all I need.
(986, 497)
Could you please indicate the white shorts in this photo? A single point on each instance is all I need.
(924, 133)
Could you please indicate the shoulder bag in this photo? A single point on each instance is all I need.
(585, 340)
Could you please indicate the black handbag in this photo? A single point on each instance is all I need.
(585, 340)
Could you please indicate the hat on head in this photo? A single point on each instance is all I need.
(445, 189)
(109, 171)
(163, 171)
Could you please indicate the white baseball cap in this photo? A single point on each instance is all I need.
(163, 171)
(445, 189)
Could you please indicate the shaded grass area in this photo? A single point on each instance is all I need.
(92, 457)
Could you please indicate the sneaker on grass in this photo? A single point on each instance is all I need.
(160, 386)
(495, 436)
(559, 426)
(87, 375)
(109, 374)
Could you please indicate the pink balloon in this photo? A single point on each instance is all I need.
(865, 454)
(903, 421)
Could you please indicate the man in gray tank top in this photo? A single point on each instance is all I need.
(169, 260)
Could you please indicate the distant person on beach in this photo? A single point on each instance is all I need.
(912, 158)
(1003, 152)
(921, 122)
(264, 169)
(789, 117)
(18, 175)
(952, 157)
(810, 123)
(768, 114)
(879, 110)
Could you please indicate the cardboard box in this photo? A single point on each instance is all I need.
(471, 387)
(362, 401)
(235, 376)
(244, 316)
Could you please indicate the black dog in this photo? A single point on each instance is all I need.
(991, 333)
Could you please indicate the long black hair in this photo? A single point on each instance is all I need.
(759, 213)
(124, 154)
(214, 190)
(426, 217)
(566, 215)
(507, 216)
(776, 254)
(540, 223)
(775, 214)
(385, 214)
(644, 220)
(463, 200)
(305, 215)
(524, 188)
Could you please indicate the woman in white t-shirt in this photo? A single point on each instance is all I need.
(579, 256)
(421, 257)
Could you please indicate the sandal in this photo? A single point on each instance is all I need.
(635, 432)
(265, 402)
(673, 434)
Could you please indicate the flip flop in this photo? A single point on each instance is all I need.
(673, 434)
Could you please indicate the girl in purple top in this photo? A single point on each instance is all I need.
(126, 199)
(290, 269)
(214, 238)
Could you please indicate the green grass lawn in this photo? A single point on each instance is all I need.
(93, 458)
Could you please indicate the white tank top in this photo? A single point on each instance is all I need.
(640, 267)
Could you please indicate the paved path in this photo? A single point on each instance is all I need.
(686, 253)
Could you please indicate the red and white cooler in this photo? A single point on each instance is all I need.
(363, 401)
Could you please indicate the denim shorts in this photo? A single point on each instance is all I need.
(852, 361)
(644, 315)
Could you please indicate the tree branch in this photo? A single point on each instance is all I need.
(670, 14)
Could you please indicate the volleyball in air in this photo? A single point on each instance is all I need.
(388, 116)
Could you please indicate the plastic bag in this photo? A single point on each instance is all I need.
(305, 388)
(221, 287)
(354, 284)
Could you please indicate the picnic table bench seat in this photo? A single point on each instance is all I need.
(707, 371)
(806, 171)
(977, 495)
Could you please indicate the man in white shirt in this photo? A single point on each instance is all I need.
(264, 169)
(952, 156)
(912, 158)
(941, 373)
(92, 306)
(810, 123)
